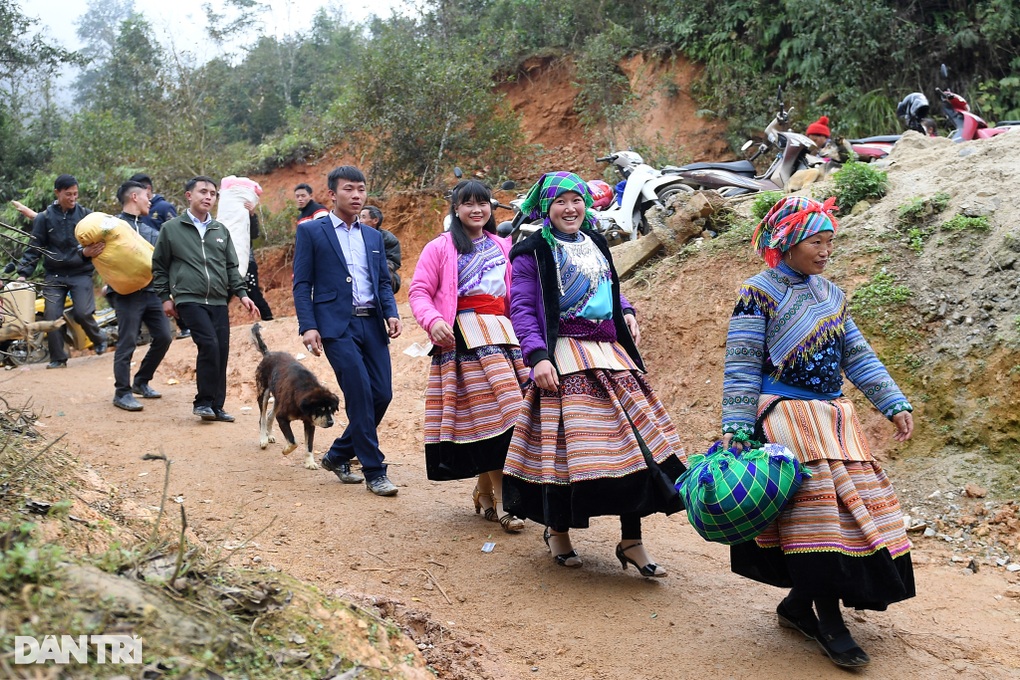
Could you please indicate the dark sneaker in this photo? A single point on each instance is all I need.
(222, 416)
(342, 471)
(382, 486)
(57, 364)
(145, 392)
(127, 402)
(204, 412)
(101, 347)
(186, 333)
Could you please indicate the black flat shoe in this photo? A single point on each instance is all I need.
(569, 559)
(650, 570)
(806, 623)
(851, 656)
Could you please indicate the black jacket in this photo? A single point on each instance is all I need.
(392, 245)
(53, 240)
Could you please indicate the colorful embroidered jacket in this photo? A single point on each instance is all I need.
(791, 334)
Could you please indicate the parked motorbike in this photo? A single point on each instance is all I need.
(916, 114)
(21, 315)
(794, 153)
(623, 219)
(967, 125)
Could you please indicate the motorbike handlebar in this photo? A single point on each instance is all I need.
(504, 207)
(604, 159)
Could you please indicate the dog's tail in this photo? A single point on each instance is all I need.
(256, 336)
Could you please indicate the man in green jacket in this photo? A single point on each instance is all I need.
(194, 272)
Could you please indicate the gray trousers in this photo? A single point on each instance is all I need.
(83, 300)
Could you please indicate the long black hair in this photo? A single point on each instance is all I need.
(468, 189)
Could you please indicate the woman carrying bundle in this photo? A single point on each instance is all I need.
(791, 339)
(459, 296)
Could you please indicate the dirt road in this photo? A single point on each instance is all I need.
(511, 613)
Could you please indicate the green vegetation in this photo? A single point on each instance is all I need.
(878, 296)
(915, 217)
(763, 202)
(856, 181)
(416, 96)
(964, 223)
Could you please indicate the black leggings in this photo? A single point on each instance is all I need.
(630, 528)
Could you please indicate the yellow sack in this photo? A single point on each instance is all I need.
(126, 261)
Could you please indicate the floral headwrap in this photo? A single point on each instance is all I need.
(791, 220)
(548, 187)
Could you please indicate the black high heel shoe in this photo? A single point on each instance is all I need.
(650, 570)
(843, 650)
(569, 559)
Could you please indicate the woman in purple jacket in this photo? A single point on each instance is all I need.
(459, 296)
(592, 438)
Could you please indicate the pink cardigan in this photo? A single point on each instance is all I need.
(433, 291)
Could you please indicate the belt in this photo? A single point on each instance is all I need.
(364, 311)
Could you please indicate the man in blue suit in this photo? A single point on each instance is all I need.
(345, 309)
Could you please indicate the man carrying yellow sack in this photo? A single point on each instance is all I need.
(125, 263)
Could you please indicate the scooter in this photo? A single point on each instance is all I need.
(967, 126)
(738, 177)
(916, 114)
(624, 218)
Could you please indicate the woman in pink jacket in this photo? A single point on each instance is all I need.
(459, 296)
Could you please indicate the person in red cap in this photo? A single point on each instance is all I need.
(819, 132)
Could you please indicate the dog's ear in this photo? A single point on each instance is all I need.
(334, 403)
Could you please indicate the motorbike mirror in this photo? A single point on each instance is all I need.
(747, 145)
(457, 172)
(508, 185)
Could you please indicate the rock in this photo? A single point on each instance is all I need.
(929, 532)
(972, 490)
(630, 255)
(860, 207)
(1013, 592)
(1013, 568)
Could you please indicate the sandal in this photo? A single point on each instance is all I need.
(511, 524)
(843, 650)
(650, 570)
(569, 559)
(477, 497)
(806, 623)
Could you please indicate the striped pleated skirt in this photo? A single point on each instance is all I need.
(471, 404)
(584, 450)
(842, 534)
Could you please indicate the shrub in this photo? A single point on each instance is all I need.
(963, 223)
(857, 181)
(763, 202)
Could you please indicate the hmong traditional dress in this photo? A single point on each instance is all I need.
(842, 534)
(474, 389)
(585, 449)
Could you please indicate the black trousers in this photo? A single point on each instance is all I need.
(83, 306)
(210, 330)
(133, 310)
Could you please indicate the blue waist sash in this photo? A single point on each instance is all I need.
(769, 385)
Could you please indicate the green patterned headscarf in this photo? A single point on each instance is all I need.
(546, 190)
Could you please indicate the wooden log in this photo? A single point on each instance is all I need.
(16, 329)
(630, 255)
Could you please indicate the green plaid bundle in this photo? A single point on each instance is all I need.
(732, 497)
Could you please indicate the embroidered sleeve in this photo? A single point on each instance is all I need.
(863, 368)
(745, 356)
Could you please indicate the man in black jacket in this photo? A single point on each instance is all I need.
(310, 210)
(67, 265)
(373, 217)
(134, 309)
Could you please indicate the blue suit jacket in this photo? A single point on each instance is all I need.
(323, 294)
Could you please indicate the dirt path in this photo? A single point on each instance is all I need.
(511, 613)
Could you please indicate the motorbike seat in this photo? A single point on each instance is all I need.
(739, 167)
(877, 139)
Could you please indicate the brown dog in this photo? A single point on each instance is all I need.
(297, 395)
